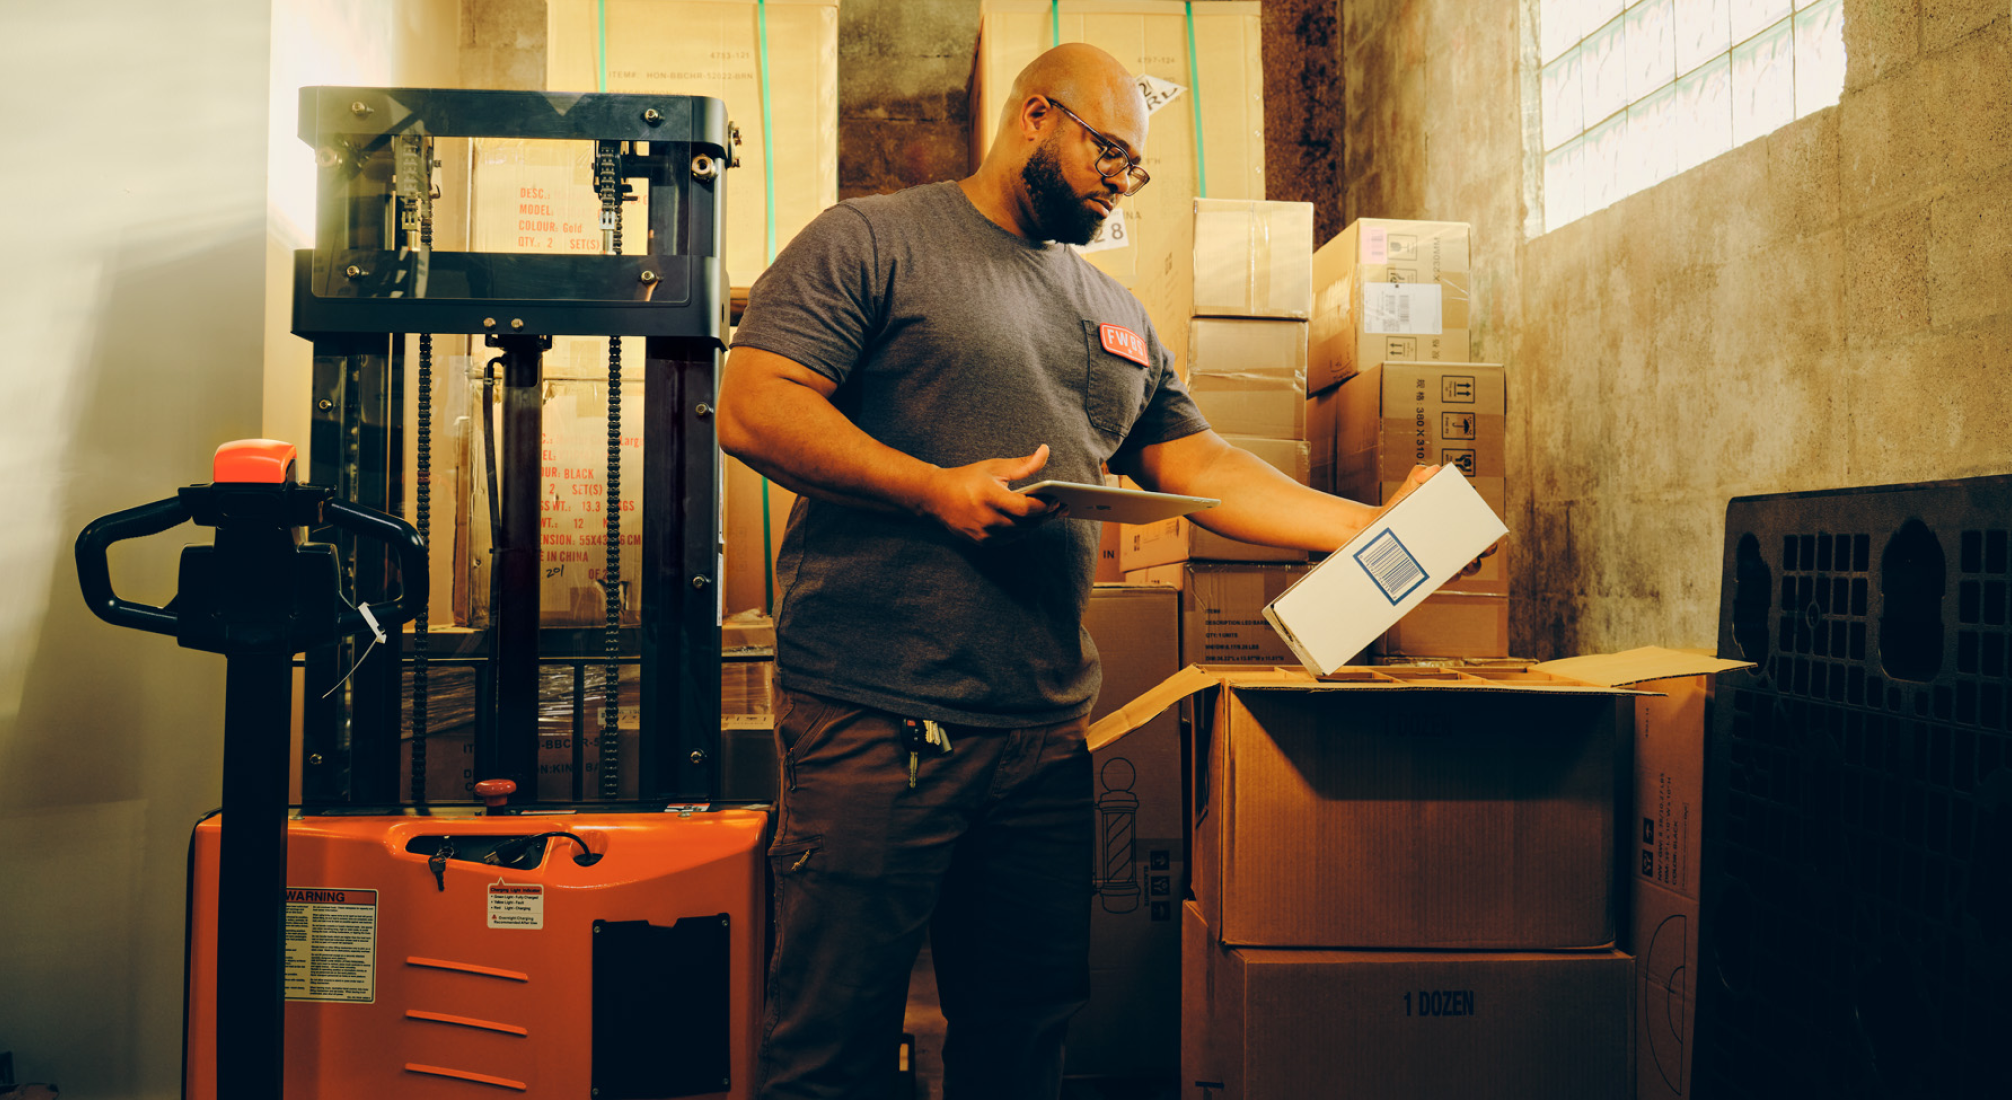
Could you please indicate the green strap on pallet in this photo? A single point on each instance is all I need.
(768, 188)
(1195, 93)
(601, 29)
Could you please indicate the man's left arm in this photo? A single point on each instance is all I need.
(1260, 504)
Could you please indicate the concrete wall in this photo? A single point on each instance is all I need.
(1830, 305)
(150, 181)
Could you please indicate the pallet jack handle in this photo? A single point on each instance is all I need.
(254, 486)
(258, 596)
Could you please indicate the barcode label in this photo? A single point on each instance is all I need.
(1392, 567)
(1401, 308)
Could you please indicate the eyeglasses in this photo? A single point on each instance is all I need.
(1112, 161)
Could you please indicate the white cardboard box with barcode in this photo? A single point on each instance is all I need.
(1387, 569)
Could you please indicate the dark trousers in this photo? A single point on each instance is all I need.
(990, 853)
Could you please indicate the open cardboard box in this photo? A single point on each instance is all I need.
(1406, 807)
(1661, 848)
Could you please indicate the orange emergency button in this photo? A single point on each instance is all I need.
(254, 462)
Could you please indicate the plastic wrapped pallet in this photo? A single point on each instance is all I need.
(1221, 81)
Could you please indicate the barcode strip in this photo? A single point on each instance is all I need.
(1391, 566)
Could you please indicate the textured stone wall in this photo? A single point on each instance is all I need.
(903, 71)
(1826, 306)
(1303, 131)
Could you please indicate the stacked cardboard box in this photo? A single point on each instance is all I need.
(1388, 290)
(1390, 387)
(1131, 1026)
(1372, 429)
(1662, 862)
(1425, 857)
(1246, 362)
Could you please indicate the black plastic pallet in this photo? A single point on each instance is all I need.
(1857, 876)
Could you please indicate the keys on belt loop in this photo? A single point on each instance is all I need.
(918, 734)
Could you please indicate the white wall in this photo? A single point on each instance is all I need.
(139, 232)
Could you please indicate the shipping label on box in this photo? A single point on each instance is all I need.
(1388, 290)
(1253, 258)
(1262, 1023)
(714, 48)
(1388, 568)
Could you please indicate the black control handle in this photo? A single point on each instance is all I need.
(403, 538)
(94, 569)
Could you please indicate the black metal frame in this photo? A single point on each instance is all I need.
(358, 292)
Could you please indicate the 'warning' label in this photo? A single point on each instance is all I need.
(331, 944)
(516, 905)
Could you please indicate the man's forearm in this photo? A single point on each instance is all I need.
(1262, 505)
(797, 439)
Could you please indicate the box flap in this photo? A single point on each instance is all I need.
(1195, 678)
(1635, 666)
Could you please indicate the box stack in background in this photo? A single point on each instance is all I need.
(1218, 85)
(1388, 290)
(1131, 1026)
(1390, 387)
(1403, 883)
(1396, 415)
(715, 48)
(1247, 372)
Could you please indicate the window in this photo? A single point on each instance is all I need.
(1635, 91)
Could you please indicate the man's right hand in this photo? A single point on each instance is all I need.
(975, 502)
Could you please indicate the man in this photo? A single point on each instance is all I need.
(907, 361)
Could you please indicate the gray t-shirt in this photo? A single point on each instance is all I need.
(953, 340)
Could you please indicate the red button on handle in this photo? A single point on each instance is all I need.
(496, 793)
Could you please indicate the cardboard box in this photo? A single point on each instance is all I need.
(1449, 624)
(572, 527)
(1420, 1025)
(1145, 545)
(1389, 567)
(1253, 258)
(1222, 609)
(1468, 809)
(1151, 251)
(1131, 1027)
(713, 48)
(1662, 863)
(1388, 290)
(1389, 418)
(1249, 376)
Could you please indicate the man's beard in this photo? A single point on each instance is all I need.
(1060, 213)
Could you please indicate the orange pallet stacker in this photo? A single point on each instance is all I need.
(400, 939)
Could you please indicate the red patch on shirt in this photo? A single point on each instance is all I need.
(1124, 343)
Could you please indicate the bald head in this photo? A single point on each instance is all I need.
(1091, 82)
(1072, 115)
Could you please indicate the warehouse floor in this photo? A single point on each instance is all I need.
(924, 1020)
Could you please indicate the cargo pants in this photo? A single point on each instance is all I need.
(989, 853)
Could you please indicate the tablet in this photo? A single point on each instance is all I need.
(1103, 502)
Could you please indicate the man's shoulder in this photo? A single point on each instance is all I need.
(898, 207)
